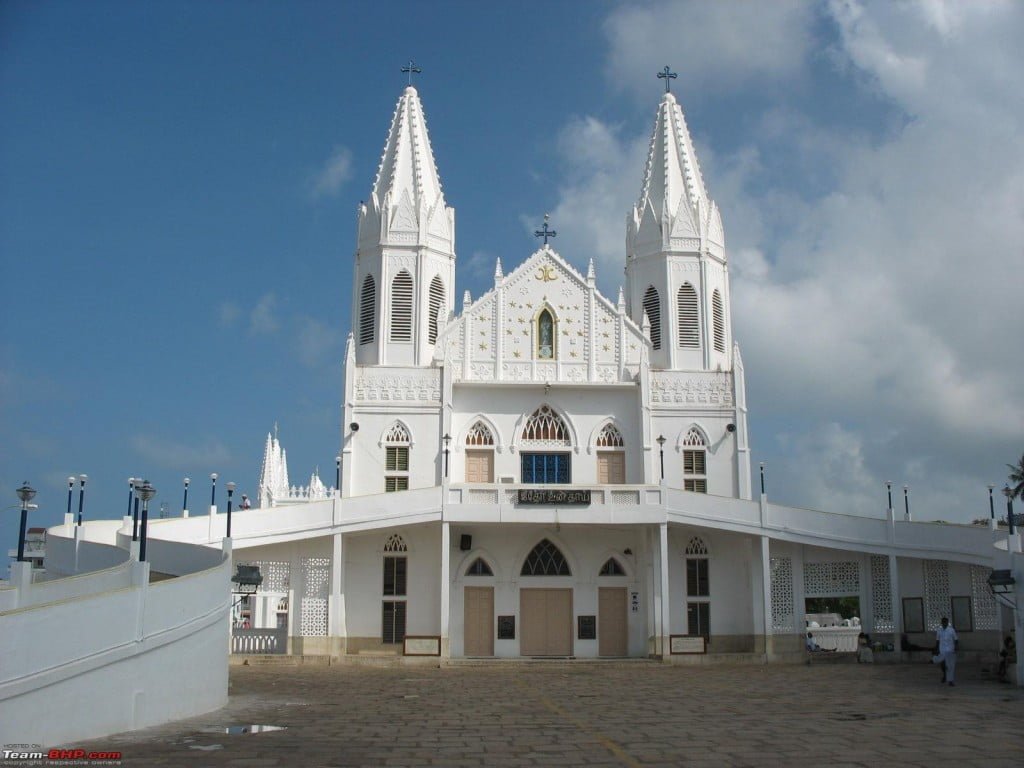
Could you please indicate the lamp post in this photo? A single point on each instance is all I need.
(661, 452)
(213, 489)
(906, 502)
(71, 486)
(337, 474)
(81, 496)
(888, 487)
(135, 515)
(991, 503)
(447, 439)
(145, 492)
(1009, 507)
(26, 493)
(184, 501)
(131, 493)
(762, 478)
(231, 491)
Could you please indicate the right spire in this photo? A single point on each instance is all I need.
(674, 212)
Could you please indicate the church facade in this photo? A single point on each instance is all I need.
(547, 471)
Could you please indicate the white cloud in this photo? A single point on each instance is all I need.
(263, 317)
(332, 175)
(317, 343)
(229, 313)
(170, 454)
(713, 44)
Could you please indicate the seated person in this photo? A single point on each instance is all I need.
(864, 653)
(811, 645)
(1007, 656)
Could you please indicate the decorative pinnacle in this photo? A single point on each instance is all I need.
(497, 268)
(545, 233)
(590, 269)
(668, 76)
(412, 69)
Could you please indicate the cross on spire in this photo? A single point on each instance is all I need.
(412, 69)
(545, 233)
(668, 76)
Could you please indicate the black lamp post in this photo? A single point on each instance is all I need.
(213, 489)
(661, 452)
(81, 495)
(906, 502)
(762, 478)
(135, 516)
(888, 487)
(26, 493)
(184, 501)
(71, 486)
(337, 474)
(145, 492)
(447, 439)
(131, 493)
(231, 491)
(991, 503)
(1009, 507)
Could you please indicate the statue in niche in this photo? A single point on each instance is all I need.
(545, 336)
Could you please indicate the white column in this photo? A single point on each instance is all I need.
(446, 547)
(897, 602)
(766, 593)
(666, 611)
(336, 602)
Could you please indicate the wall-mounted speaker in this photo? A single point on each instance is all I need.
(465, 542)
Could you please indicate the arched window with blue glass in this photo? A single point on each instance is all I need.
(545, 456)
(546, 335)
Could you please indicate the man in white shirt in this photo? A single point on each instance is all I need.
(947, 642)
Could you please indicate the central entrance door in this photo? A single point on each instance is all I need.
(479, 621)
(546, 618)
(611, 621)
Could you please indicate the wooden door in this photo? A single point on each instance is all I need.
(479, 466)
(545, 617)
(611, 467)
(611, 621)
(479, 621)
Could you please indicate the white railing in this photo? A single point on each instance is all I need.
(259, 641)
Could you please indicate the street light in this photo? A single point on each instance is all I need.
(1009, 507)
(145, 492)
(337, 474)
(71, 486)
(184, 501)
(213, 489)
(991, 503)
(762, 478)
(231, 491)
(447, 439)
(131, 493)
(81, 495)
(26, 493)
(888, 487)
(661, 451)
(906, 502)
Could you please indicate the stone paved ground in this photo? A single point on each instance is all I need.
(615, 714)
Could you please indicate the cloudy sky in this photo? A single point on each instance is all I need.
(180, 180)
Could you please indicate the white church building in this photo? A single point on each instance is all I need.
(548, 471)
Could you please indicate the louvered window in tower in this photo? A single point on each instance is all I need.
(367, 310)
(652, 307)
(695, 466)
(689, 328)
(401, 307)
(718, 320)
(436, 303)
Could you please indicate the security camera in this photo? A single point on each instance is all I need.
(354, 426)
(730, 427)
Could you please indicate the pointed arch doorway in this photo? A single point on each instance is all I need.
(545, 614)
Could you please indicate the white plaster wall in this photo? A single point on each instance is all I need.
(721, 448)
(366, 460)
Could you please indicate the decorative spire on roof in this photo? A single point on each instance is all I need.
(674, 212)
(274, 472)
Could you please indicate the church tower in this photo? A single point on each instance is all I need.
(676, 271)
(405, 254)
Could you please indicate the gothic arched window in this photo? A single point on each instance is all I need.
(396, 458)
(479, 434)
(546, 426)
(652, 307)
(610, 437)
(545, 335)
(435, 304)
(479, 567)
(718, 321)
(689, 325)
(545, 560)
(612, 567)
(367, 310)
(401, 307)
(695, 464)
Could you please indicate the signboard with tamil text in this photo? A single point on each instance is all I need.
(552, 496)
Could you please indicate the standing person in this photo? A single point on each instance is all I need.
(947, 641)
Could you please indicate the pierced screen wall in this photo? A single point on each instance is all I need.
(881, 594)
(316, 576)
(782, 594)
(276, 574)
(986, 612)
(936, 592)
(837, 579)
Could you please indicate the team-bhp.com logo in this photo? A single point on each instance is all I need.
(34, 754)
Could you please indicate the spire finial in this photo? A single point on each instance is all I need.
(668, 76)
(412, 69)
(545, 233)
(275, 430)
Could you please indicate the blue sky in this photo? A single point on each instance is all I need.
(179, 182)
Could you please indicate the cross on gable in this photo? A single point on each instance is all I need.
(668, 76)
(412, 69)
(545, 232)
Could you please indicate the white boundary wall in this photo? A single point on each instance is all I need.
(103, 652)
